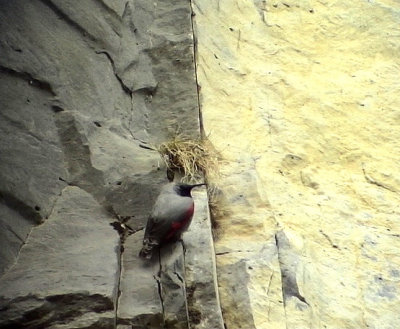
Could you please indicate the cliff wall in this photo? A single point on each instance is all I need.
(299, 99)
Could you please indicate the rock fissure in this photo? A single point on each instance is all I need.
(11, 230)
(222, 253)
(27, 211)
(179, 277)
(124, 87)
(329, 239)
(372, 181)
(11, 266)
(120, 252)
(118, 284)
(268, 294)
(34, 82)
(195, 54)
(75, 25)
(159, 286)
(18, 206)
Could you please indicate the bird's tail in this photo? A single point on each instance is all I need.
(148, 247)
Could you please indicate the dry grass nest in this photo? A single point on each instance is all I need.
(194, 158)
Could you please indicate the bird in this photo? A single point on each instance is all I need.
(171, 215)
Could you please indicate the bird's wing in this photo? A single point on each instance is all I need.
(165, 211)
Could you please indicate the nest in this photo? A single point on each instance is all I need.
(192, 157)
(197, 160)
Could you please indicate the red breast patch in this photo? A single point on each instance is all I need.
(178, 226)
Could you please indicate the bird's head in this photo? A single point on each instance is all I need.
(184, 189)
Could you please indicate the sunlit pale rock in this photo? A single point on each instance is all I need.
(302, 101)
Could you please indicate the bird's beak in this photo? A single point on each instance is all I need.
(194, 185)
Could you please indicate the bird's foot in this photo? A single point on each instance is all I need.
(183, 245)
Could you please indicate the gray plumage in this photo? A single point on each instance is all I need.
(170, 217)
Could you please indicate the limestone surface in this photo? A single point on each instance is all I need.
(301, 100)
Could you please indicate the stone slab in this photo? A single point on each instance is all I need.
(200, 268)
(60, 273)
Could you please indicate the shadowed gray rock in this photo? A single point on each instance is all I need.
(31, 162)
(165, 40)
(135, 195)
(172, 284)
(14, 229)
(82, 85)
(67, 267)
(139, 303)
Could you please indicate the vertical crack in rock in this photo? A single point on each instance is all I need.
(172, 283)
(195, 66)
(211, 313)
(126, 89)
(158, 280)
(118, 283)
(141, 301)
(123, 231)
(138, 73)
(160, 293)
(129, 92)
(287, 262)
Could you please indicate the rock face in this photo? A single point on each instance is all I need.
(60, 272)
(83, 85)
(301, 99)
(175, 287)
